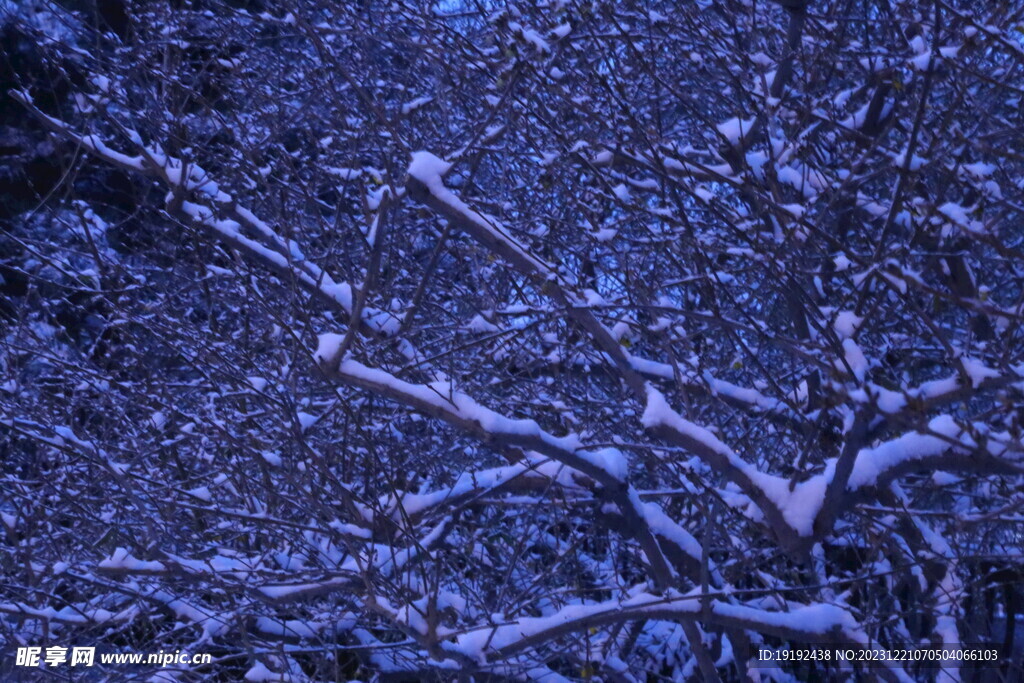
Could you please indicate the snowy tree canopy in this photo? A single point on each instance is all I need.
(523, 340)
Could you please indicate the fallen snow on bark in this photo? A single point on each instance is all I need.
(735, 129)
(328, 346)
(611, 460)
(846, 324)
(474, 482)
(887, 400)
(798, 506)
(663, 525)
(871, 463)
(812, 621)
(284, 254)
(291, 628)
(383, 558)
(430, 170)
(718, 386)
(78, 615)
(306, 420)
(419, 102)
(801, 503)
(855, 359)
(241, 568)
(481, 325)
(122, 560)
(460, 406)
(477, 643)
(212, 624)
(936, 387)
(658, 412)
(977, 371)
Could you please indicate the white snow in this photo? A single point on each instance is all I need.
(887, 400)
(123, 560)
(915, 163)
(344, 173)
(846, 324)
(955, 213)
(327, 346)
(441, 397)
(306, 420)
(855, 359)
(811, 620)
(428, 168)
(611, 460)
(921, 62)
(259, 673)
(735, 128)
(663, 525)
(873, 462)
(980, 169)
(201, 492)
(294, 628)
(481, 325)
(977, 371)
(658, 412)
(530, 35)
(800, 506)
(936, 387)
(593, 298)
(418, 103)
(561, 31)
